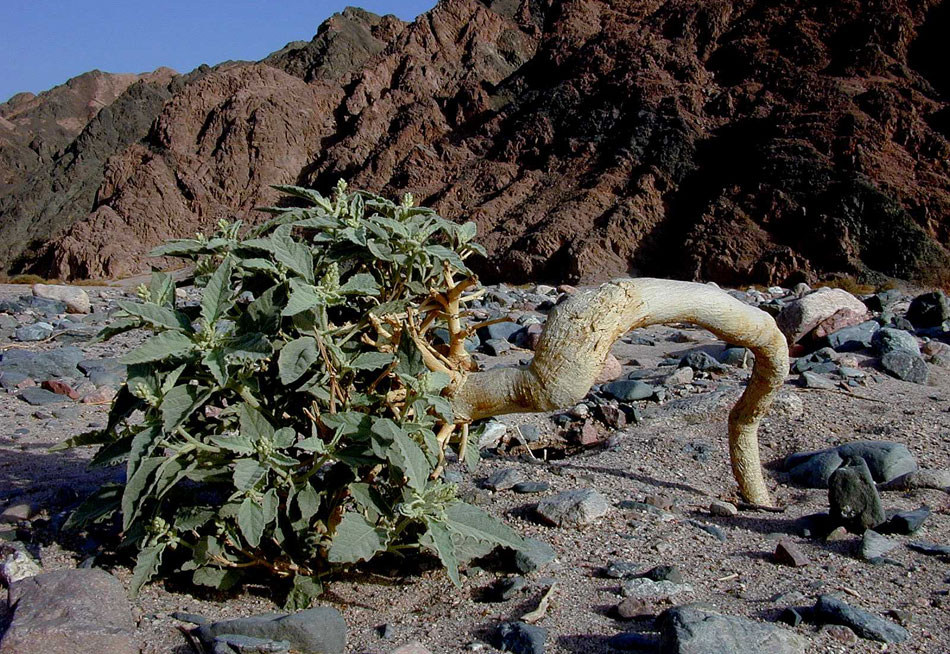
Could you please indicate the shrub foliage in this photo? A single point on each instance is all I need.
(288, 422)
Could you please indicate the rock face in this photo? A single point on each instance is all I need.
(729, 141)
(69, 611)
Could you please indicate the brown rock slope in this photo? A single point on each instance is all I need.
(735, 141)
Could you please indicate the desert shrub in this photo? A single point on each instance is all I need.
(288, 422)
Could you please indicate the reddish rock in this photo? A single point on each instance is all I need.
(789, 553)
(739, 142)
(60, 388)
(101, 395)
(610, 371)
(589, 434)
(801, 316)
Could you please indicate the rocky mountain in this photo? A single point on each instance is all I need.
(739, 141)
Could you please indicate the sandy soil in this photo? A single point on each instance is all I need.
(654, 458)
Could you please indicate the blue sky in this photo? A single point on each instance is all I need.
(45, 42)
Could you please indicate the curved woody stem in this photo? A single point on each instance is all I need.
(578, 337)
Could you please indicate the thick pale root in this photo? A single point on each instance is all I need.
(580, 332)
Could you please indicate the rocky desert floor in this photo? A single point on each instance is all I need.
(659, 468)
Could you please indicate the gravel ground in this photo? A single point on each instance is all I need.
(676, 454)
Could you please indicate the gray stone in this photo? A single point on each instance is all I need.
(319, 630)
(575, 508)
(491, 435)
(811, 379)
(657, 591)
(36, 332)
(521, 638)
(695, 630)
(533, 555)
(924, 478)
(530, 433)
(442, 336)
(622, 570)
(712, 530)
(905, 522)
(886, 460)
(249, 644)
(739, 357)
(929, 548)
(664, 573)
(723, 509)
(855, 337)
(874, 545)
(528, 487)
(831, 610)
(503, 479)
(701, 361)
(10, 380)
(497, 347)
(69, 611)
(628, 390)
(888, 339)
(853, 499)
(16, 563)
(44, 305)
(53, 364)
(905, 366)
(192, 618)
(498, 331)
(929, 310)
(37, 396)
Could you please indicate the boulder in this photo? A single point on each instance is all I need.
(320, 630)
(76, 299)
(69, 611)
(801, 316)
(696, 630)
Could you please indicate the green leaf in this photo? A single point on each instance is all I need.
(269, 504)
(222, 579)
(296, 256)
(472, 455)
(472, 522)
(295, 359)
(284, 437)
(306, 193)
(313, 444)
(303, 297)
(179, 403)
(216, 364)
(146, 566)
(234, 443)
(95, 507)
(254, 425)
(93, 437)
(179, 247)
(466, 232)
(440, 540)
(136, 486)
(216, 299)
(162, 346)
(250, 520)
(355, 540)
(250, 347)
(361, 284)
(161, 288)
(156, 316)
(368, 498)
(258, 265)
(308, 502)
(247, 472)
(371, 361)
(304, 591)
(408, 456)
